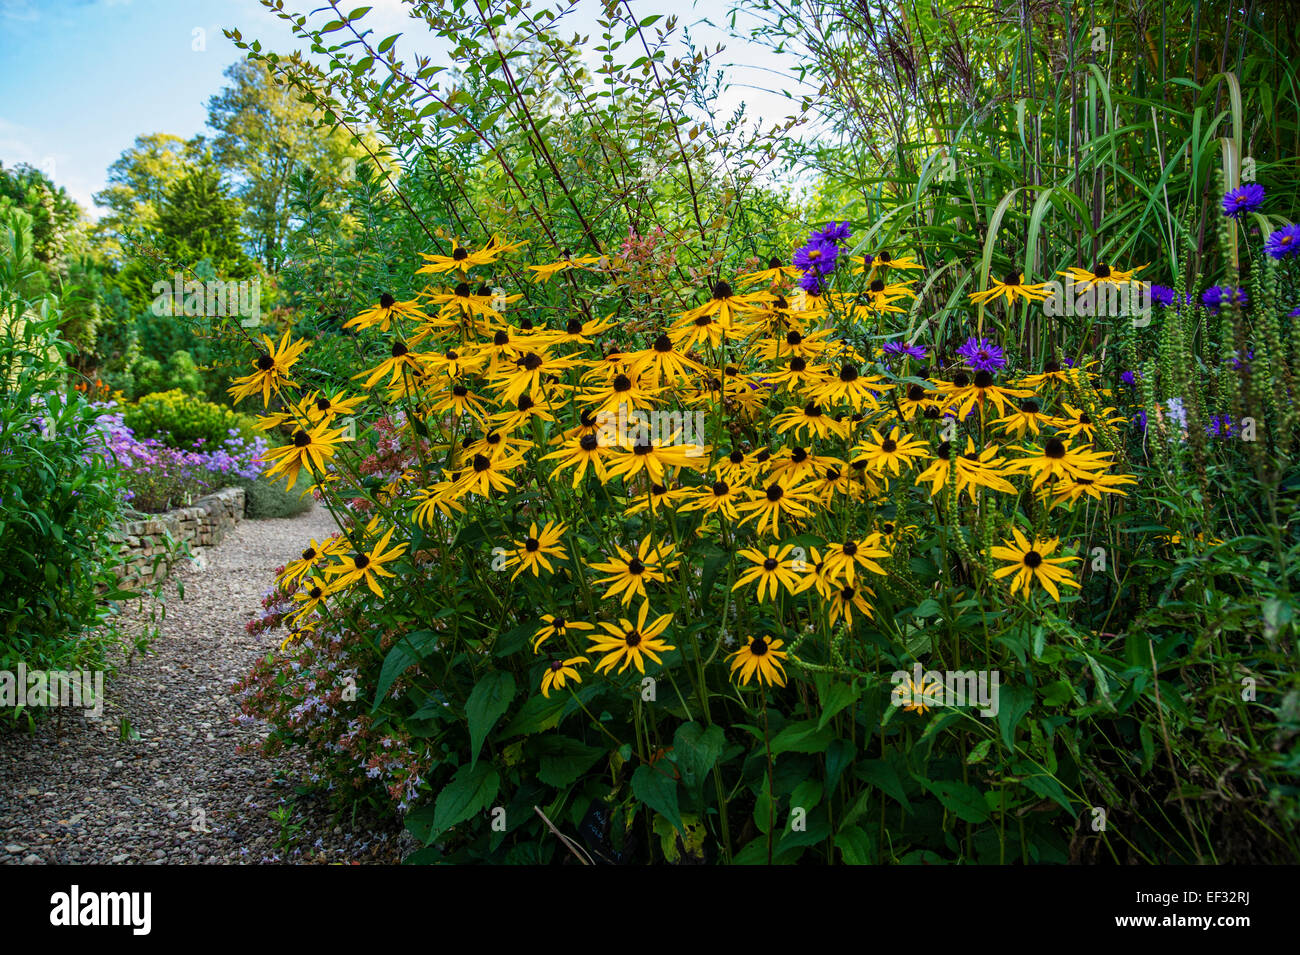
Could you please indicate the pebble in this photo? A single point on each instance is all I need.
(175, 695)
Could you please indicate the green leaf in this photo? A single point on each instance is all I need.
(964, 801)
(405, 653)
(856, 847)
(488, 702)
(1013, 703)
(658, 791)
(835, 699)
(563, 760)
(979, 753)
(805, 736)
(470, 791)
(387, 43)
(884, 776)
(696, 750)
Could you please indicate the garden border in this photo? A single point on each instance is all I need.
(150, 545)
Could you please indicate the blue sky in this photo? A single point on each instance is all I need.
(80, 79)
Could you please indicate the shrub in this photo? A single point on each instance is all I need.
(59, 503)
(183, 421)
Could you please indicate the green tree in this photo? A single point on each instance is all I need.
(266, 136)
(137, 185)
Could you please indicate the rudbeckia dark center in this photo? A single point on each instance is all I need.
(462, 290)
(832, 474)
(915, 392)
(848, 373)
(770, 563)
(526, 325)
(885, 258)
(314, 593)
(1033, 558)
(573, 326)
(322, 404)
(983, 379)
(847, 593)
(481, 463)
(301, 438)
(557, 666)
(643, 448)
(758, 647)
(1013, 278)
(1053, 367)
(775, 492)
(961, 380)
(501, 338)
(622, 383)
(361, 561)
(494, 437)
(722, 290)
(797, 364)
(531, 544)
(589, 442)
(532, 361)
(658, 489)
(264, 363)
(793, 338)
(398, 349)
(774, 263)
(309, 554)
(386, 301)
(1084, 419)
(662, 344)
(889, 445)
(1029, 407)
(632, 638)
(525, 403)
(1054, 449)
(704, 321)
(850, 548)
(763, 456)
(460, 391)
(944, 451)
(812, 410)
(1102, 271)
(780, 302)
(877, 285)
(887, 527)
(721, 489)
(736, 457)
(460, 255)
(798, 455)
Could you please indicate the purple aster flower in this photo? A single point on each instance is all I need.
(1162, 295)
(1294, 313)
(817, 258)
(1217, 296)
(1284, 242)
(899, 349)
(835, 232)
(1129, 378)
(1140, 420)
(1220, 426)
(1243, 199)
(982, 355)
(1239, 363)
(811, 283)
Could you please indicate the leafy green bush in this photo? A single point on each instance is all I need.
(266, 499)
(180, 420)
(58, 500)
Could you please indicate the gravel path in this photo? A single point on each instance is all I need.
(75, 792)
